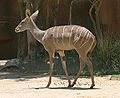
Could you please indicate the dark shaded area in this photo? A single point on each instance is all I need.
(80, 13)
(9, 16)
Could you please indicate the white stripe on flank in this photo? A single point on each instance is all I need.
(80, 34)
(83, 44)
(85, 30)
(88, 34)
(54, 29)
(77, 29)
(57, 31)
(54, 34)
(76, 36)
(82, 31)
(71, 34)
(63, 35)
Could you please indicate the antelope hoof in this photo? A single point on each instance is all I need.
(48, 86)
(72, 85)
(91, 87)
(69, 86)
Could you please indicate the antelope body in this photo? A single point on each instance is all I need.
(67, 37)
(60, 38)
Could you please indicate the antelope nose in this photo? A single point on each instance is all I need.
(16, 30)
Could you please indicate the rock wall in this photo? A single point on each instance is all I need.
(8, 20)
(110, 16)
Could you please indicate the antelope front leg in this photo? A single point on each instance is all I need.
(62, 57)
(51, 70)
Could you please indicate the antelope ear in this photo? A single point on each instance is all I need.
(34, 15)
(28, 13)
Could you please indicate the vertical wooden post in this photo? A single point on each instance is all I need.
(22, 38)
(30, 39)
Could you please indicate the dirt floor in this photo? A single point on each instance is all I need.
(33, 86)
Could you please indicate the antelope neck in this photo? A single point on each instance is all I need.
(36, 32)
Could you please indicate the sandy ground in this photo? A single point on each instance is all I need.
(33, 86)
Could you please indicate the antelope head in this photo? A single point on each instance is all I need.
(24, 24)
